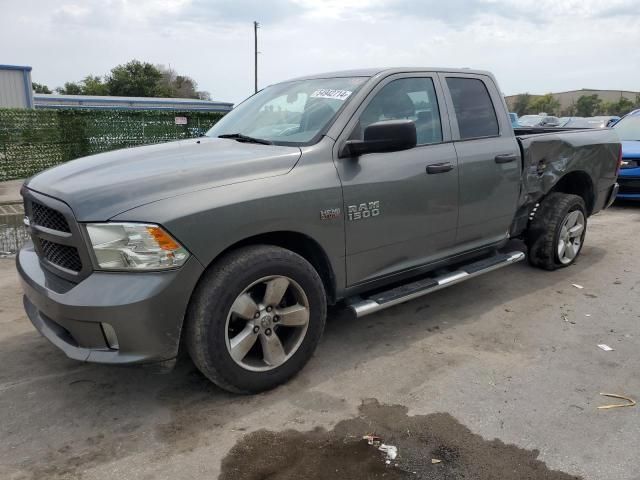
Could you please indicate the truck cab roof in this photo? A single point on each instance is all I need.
(371, 72)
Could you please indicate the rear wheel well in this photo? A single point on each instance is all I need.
(301, 244)
(577, 183)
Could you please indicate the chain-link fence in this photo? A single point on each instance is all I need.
(33, 140)
(12, 232)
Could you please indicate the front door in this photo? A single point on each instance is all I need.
(400, 208)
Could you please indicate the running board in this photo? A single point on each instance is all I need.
(403, 293)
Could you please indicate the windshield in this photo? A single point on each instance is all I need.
(291, 113)
(529, 120)
(629, 127)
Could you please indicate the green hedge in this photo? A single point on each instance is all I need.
(33, 140)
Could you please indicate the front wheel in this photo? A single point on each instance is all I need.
(256, 318)
(556, 234)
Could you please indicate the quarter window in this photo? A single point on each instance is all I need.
(474, 109)
(406, 98)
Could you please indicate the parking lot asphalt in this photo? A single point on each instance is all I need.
(497, 377)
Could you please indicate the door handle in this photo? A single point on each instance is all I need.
(506, 158)
(439, 168)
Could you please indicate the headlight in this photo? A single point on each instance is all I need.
(134, 246)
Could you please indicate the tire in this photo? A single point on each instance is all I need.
(550, 227)
(239, 286)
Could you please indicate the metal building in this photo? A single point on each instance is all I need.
(96, 102)
(15, 87)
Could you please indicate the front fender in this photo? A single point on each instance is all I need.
(208, 222)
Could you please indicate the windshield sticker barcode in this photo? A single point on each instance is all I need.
(331, 93)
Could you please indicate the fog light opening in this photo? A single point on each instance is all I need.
(110, 336)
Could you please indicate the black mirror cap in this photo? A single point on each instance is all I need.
(384, 136)
(392, 134)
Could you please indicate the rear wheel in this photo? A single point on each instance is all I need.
(556, 234)
(256, 318)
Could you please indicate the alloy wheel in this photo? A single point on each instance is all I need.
(267, 323)
(571, 234)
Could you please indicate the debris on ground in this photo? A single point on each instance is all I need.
(587, 314)
(580, 287)
(605, 347)
(372, 440)
(435, 461)
(631, 401)
(390, 450)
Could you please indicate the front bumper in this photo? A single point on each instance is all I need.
(146, 310)
(629, 187)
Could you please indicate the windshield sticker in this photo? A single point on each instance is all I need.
(331, 93)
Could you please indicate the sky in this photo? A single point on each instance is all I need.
(534, 46)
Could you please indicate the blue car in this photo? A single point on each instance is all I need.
(514, 119)
(628, 129)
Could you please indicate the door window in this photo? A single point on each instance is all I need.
(407, 98)
(474, 109)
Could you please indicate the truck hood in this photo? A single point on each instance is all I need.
(631, 149)
(101, 186)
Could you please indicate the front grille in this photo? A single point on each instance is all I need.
(57, 236)
(61, 255)
(630, 186)
(49, 218)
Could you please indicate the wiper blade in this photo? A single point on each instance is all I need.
(245, 138)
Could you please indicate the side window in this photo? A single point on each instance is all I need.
(474, 110)
(405, 98)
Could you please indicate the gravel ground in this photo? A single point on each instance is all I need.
(498, 377)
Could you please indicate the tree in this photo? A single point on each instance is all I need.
(521, 103)
(134, 79)
(620, 108)
(544, 103)
(93, 85)
(204, 95)
(40, 88)
(179, 86)
(588, 105)
(624, 106)
(570, 111)
(70, 88)
(137, 79)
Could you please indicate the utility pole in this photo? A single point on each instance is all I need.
(256, 25)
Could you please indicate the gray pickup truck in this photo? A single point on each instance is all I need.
(366, 187)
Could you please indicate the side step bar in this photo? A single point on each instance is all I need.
(403, 293)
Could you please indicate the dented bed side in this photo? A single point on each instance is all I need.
(548, 159)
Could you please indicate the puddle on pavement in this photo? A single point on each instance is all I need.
(342, 454)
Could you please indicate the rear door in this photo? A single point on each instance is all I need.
(488, 159)
(400, 207)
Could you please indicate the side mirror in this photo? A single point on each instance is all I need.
(385, 136)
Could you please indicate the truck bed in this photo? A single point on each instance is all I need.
(579, 155)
